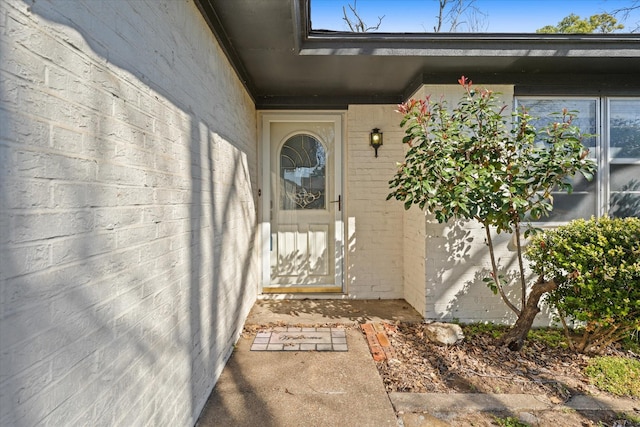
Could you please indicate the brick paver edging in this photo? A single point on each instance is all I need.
(378, 341)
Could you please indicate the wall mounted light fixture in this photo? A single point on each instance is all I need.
(375, 139)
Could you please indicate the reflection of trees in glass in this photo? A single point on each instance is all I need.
(302, 173)
(626, 203)
(581, 203)
(545, 112)
(625, 138)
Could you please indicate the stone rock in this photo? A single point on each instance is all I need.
(528, 418)
(444, 333)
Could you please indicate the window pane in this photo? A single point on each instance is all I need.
(625, 190)
(624, 125)
(623, 205)
(582, 202)
(302, 173)
(585, 109)
(625, 177)
(571, 206)
(580, 184)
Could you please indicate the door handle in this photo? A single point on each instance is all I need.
(339, 202)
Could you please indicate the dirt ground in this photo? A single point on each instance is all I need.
(478, 365)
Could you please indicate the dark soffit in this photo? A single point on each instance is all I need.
(284, 63)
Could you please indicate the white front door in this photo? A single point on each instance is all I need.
(302, 204)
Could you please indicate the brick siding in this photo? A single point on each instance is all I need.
(127, 212)
(374, 226)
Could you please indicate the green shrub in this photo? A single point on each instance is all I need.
(617, 375)
(632, 342)
(551, 337)
(510, 422)
(596, 266)
(473, 330)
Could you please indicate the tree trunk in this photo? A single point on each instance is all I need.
(514, 337)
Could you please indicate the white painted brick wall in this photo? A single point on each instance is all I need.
(415, 245)
(374, 225)
(127, 212)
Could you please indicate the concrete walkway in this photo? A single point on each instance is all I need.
(306, 388)
(476, 402)
(342, 388)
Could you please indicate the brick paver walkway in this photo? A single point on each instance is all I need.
(301, 339)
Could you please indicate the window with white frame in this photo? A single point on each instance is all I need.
(615, 124)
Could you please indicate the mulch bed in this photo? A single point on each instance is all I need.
(479, 365)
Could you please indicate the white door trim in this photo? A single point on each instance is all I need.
(265, 119)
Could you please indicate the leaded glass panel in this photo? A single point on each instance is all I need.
(302, 173)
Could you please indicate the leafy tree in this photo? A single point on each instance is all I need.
(573, 24)
(474, 163)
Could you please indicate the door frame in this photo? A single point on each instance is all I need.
(265, 119)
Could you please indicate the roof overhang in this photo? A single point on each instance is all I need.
(284, 63)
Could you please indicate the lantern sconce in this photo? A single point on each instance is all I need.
(375, 139)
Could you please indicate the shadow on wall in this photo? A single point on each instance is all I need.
(458, 262)
(216, 205)
(128, 213)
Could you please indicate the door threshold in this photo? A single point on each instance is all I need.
(302, 290)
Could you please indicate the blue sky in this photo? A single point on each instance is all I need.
(502, 16)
